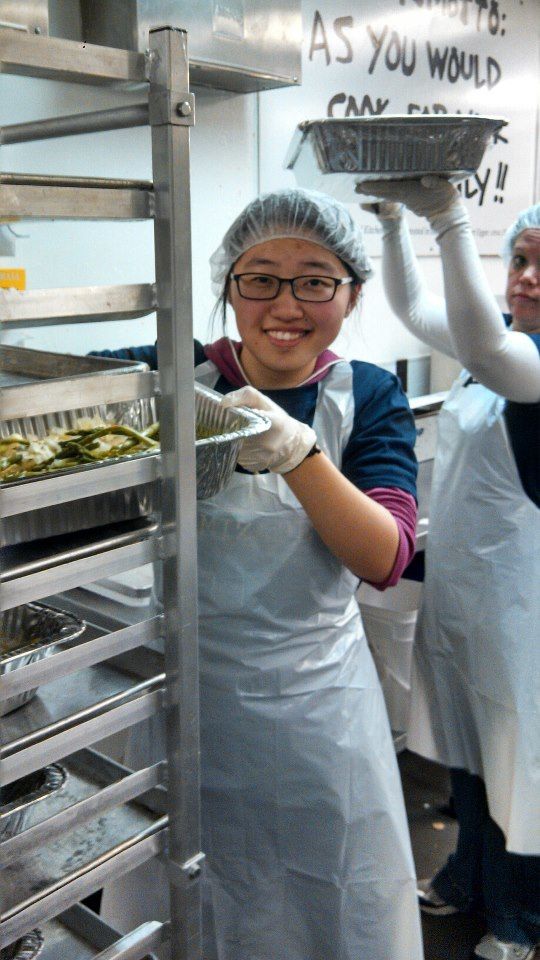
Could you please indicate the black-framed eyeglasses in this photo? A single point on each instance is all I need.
(264, 286)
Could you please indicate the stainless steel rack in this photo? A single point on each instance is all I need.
(90, 688)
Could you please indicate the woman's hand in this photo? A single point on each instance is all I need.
(383, 209)
(428, 197)
(356, 529)
(279, 449)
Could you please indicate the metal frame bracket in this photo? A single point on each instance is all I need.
(171, 107)
(180, 873)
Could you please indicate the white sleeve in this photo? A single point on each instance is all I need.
(506, 361)
(468, 323)
(420, 311)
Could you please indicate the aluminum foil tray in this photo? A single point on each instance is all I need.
(335, 155)
(216, 459)
(30, 633)
(28, 947)
(229, 427)
(20, 797)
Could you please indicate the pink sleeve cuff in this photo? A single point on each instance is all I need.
(402, 506)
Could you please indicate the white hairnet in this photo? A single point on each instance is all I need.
(292, 213)
(527, 219)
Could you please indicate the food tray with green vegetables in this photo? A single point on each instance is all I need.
(73, 442)
(90, 440)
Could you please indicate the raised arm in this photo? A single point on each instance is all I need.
(506, 361)
(356, 528)
(421, 311)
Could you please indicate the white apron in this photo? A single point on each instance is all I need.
(475, 668)
(304, 827)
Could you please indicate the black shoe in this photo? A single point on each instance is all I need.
(430, 901)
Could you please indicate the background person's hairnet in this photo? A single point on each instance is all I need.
(527, 219)
(292, 213)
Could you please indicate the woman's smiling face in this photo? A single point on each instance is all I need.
(282, 338)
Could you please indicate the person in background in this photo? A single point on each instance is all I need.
(475, 693)
(304, 828)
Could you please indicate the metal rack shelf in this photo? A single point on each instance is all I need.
(108, 679)
(108, 861)
(25, 197)
(75, 711)
(96, 785)
(47, 308)
(53, 58)
(134, 115)
(95, 815)
(93, 480)
(76, 392)
(32, 571)
(78, 934)
(86, 651)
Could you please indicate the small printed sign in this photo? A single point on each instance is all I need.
(12, 277)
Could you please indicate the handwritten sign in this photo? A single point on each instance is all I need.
(424, 57)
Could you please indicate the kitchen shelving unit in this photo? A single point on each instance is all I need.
(91, 688)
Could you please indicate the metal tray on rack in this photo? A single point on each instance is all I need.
(50, 936)
(28, 947)
(80, 775)
(20, 797)
(217, 450)
(53, 865)
(335, 155)
(29, 633)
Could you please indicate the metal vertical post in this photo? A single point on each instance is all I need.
(171, 112)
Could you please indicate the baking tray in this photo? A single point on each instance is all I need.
(335, 155)
(21, 796)
(21, 365)
(29, 633)
(28, 947)
(55, 864)
(216, 457)
(132, 588)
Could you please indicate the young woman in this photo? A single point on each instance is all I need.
(304, 828)
(475, 700)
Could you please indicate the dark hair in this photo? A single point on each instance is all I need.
(220, 307)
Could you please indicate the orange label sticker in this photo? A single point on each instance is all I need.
(14, 277)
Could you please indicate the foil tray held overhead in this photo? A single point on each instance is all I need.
(335, 155)
(221, 433)
(30, 633)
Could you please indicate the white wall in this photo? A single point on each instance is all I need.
(225, 173)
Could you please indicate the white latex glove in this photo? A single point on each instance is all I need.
(428, 197)
(384, 209)
(279, 449)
